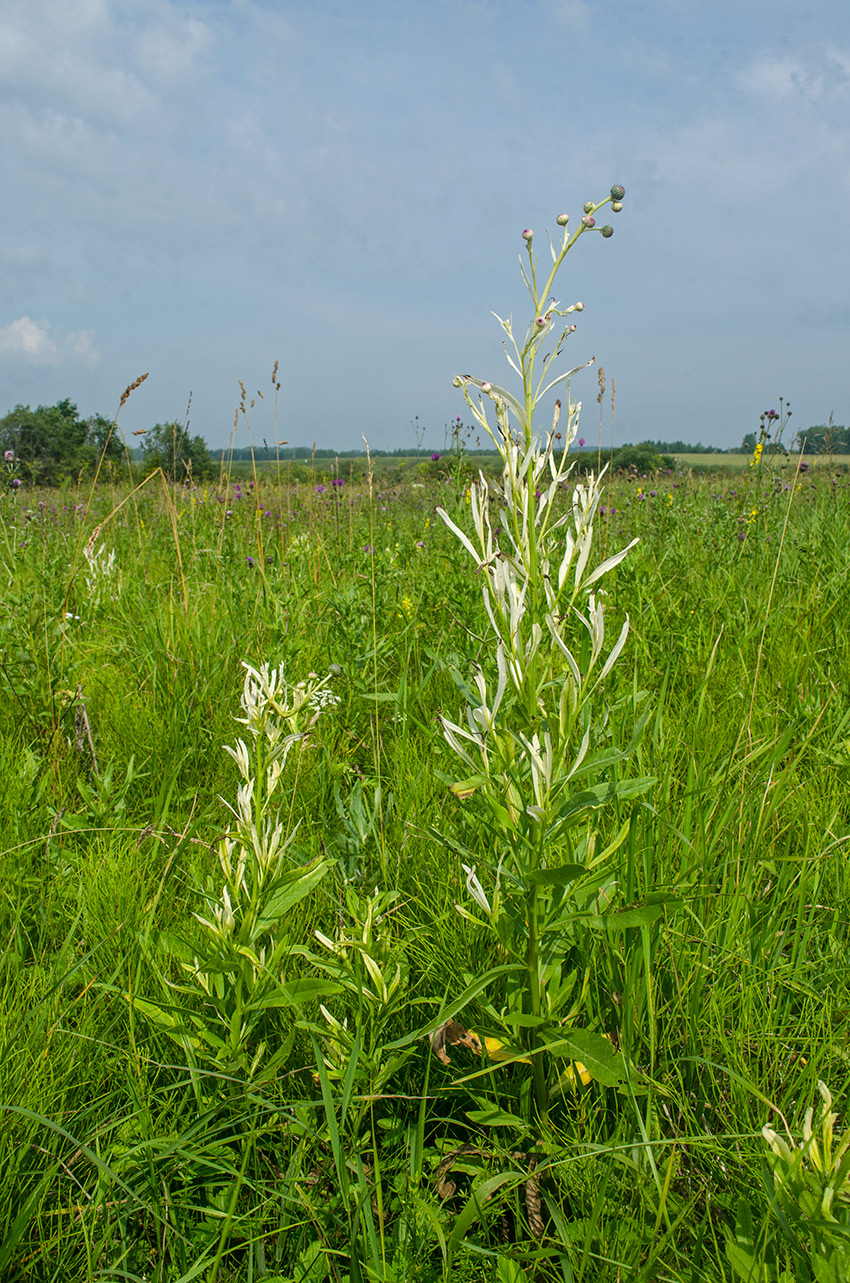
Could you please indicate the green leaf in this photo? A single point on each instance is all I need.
(595, 1053)
(283, 898)
(295, 994)
(640, 915)
(507, 1271)
(446, 1013)
(598, 795)
(464, 788)
(561, 876)
(494, 1117)
(479, 1197)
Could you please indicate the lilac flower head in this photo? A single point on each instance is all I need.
(16, 481)
(435, 456)
(337, 481)
(9, 456)
(581, 442)
(320, 489)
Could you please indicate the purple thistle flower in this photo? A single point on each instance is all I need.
(435, 456)
(337, 481)
(581, 442)
(16, 481)
(9, 456)
(320, 489)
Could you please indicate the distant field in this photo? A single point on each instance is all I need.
(742, 460)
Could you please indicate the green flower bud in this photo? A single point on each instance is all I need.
(562, 220)
(457, 382)
(617, 192)
(607, 231)
(617, 205)
(588, 207)
(589, 220)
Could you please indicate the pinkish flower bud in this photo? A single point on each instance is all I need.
(562, 220)
(589, 220)
(578, 307)
(572, 329)
(527, 235)
(486, 387)
(540, 322)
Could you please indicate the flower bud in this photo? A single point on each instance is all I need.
(617, 205)
(562, 220)
(578, 307)
(527, 235)
(588, 207)
(485, 387)
(457, 382)
(617, 192)
(607, 231)
(540, 322)
(572, 329)
(589, 220)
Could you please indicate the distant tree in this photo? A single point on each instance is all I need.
(169, 446)
(748, 444)
(53, 444)
(825, 438)
(642, 458)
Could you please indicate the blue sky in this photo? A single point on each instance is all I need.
(199, 189)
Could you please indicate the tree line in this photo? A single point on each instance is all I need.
(54, 443)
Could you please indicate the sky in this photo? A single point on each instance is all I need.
(195, 190)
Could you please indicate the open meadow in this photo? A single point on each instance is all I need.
(285, 1012)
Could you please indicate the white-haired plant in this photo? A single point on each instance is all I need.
(526, 742)
(224, 1014)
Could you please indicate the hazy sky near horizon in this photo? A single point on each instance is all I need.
(198, 189)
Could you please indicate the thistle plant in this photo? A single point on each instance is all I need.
(812, 1183)
(224, 1014)
(527, 737)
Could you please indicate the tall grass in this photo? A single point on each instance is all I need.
(366, 1156)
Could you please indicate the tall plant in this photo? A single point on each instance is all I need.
(526, 740)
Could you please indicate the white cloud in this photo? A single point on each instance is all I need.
(32, 341)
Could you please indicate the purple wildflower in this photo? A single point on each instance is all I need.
(435, 456)
(320, 489)
(16, 481)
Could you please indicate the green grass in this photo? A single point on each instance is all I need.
(729, 1006)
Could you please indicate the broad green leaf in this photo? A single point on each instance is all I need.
(496, 1118)
(594, 1052)
(561, 876)
(283, 898)
(297, 993)
(507, 1271)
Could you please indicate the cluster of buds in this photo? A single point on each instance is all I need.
(588, 217)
